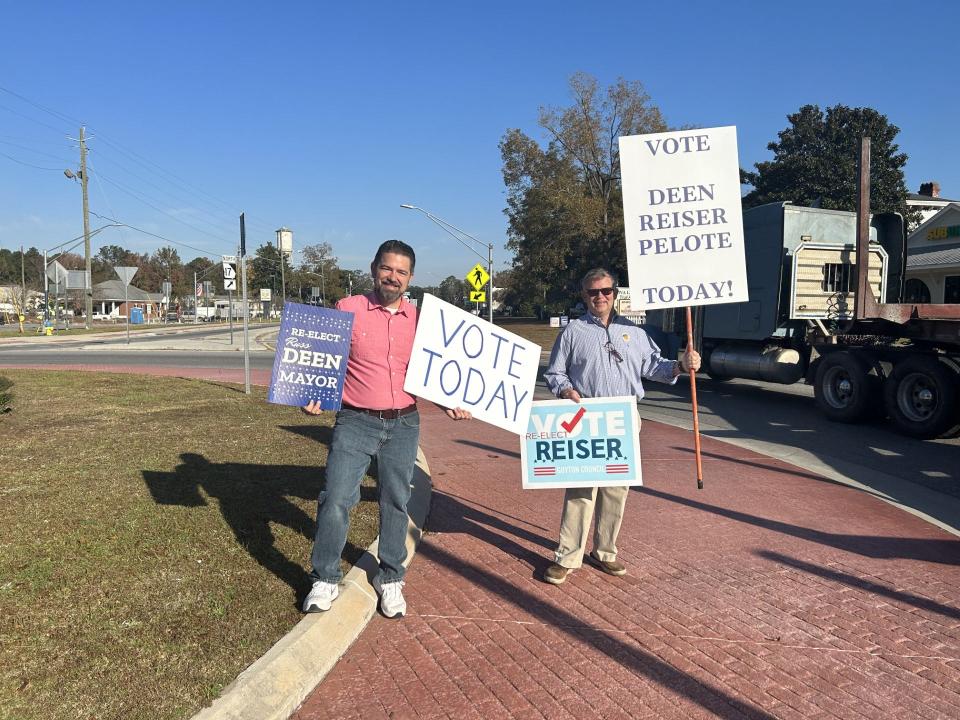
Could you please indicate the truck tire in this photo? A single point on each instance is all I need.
(921, 397)
(844, 390)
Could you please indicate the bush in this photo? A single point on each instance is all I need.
(6, 394)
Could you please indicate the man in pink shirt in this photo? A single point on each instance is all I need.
(377, 420)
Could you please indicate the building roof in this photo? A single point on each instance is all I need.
(934, 258)
(113, 290)
(917, 197)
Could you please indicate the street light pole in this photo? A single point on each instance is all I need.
(284, 245)
(456, 232)
(88, 266)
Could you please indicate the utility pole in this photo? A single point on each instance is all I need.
(22, 310)
(88, 281)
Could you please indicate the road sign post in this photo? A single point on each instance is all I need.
(246, 309)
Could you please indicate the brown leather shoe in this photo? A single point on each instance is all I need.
(611, 567)
(556, 574)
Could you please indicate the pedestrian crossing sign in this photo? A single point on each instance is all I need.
(477, 276)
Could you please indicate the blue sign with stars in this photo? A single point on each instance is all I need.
(311, 360)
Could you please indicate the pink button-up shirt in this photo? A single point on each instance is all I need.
(380, 350)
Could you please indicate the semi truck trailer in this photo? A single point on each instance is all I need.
(825, 307)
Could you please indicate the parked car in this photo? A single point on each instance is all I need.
(171, 318)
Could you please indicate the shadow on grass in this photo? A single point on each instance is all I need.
(251, 498)
(451, 515)
(946, 552)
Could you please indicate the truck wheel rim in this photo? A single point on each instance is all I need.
(916, 398)
(838, 388)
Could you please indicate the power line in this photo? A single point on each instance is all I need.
(217, 225)
(177, 182)
(35, 151)
(21, 162)
(153, 167)
(159, 237)
(59, 131)
(55, 113)
(135, 195)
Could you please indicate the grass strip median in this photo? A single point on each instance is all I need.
(154, 539)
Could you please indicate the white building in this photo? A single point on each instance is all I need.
(933, 257)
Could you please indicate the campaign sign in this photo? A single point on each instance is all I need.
(682, 218)
(311, 359)
(595, 442)
(461, 360)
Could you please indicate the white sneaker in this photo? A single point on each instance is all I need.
(392, 604)
(320, 596)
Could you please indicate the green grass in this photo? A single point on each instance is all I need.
(6, 394)
(154, 540)
(539, 332)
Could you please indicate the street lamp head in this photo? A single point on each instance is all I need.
(409, 207)
(70, 174)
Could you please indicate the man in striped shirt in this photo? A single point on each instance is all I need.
(601, 355)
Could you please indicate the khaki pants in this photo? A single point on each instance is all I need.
(578, 510)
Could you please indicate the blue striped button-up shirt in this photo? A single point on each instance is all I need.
(580, 359)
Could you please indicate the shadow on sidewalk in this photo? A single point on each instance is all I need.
(629, 655)
(490, 448)
(921, 603)
(448, 514)
(946, 552)
(251, 498)
(780, 469)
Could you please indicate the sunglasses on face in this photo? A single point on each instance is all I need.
(594, 292)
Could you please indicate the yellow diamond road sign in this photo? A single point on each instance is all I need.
(478, 296)
(477, 276)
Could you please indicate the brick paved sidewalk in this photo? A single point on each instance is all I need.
(770, 593)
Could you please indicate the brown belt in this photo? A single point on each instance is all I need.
(382, 414)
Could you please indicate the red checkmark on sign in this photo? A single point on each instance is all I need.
(574, 421)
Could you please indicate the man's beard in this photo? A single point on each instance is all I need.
(388, 294)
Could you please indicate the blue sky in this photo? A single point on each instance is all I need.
(325, 119)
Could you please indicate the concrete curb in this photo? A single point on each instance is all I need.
(274, 686)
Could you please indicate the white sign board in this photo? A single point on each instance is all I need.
(682, 217)
(459, 359)
(595, 442)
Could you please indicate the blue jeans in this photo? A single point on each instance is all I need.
(357, 439)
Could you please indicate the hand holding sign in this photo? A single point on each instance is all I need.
(594, 443)
(311, 359)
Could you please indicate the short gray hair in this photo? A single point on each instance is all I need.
(596, 274)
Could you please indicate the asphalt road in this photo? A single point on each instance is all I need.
(788, 415)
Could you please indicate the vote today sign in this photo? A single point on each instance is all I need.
(311, 359)
(595, 442)
(683, 218)
(459, 359)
